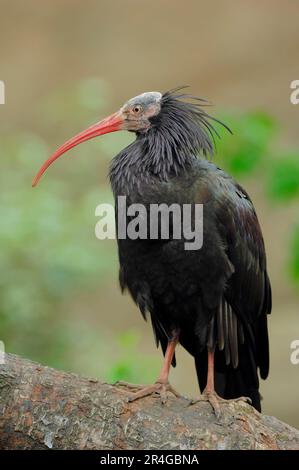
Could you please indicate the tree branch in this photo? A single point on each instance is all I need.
(44, 408)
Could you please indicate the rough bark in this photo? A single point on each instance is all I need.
(43, 408)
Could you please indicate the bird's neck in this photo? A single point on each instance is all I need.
(151, 157)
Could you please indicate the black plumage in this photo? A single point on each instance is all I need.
(219, 295)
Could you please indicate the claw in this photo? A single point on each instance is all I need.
(244, 399)
(158, 388)
(215, 401)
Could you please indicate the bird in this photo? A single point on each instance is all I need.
(214, 300)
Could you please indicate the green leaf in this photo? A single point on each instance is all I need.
(283, 178)
(241, 152)
(294, 255)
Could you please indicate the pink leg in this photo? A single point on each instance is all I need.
(161, 386)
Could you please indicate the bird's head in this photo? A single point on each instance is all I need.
(136, 114)
(181, 121)
(133, 116)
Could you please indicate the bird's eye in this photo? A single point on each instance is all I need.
(137, 109)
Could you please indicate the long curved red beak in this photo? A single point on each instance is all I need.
(110, 124)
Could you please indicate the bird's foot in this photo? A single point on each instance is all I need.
(215, 400)
(159, 388)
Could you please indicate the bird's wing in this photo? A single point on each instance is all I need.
(248, 290)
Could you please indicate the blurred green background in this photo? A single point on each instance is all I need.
(68, 64)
